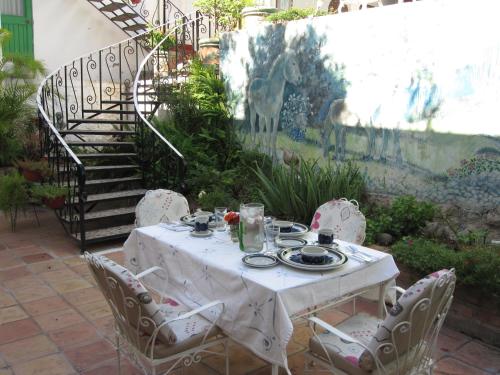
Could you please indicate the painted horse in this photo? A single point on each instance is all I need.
(265, 99)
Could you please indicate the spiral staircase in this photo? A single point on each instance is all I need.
(96, 118)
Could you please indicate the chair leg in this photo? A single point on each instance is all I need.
(226, 355)
(118, 354)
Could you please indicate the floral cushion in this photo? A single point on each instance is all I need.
(422, 317)
(344, 217)
(114, 280)
(160, 206)
(345, 356)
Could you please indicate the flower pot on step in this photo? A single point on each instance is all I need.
(209, 51)
(55, 203)
(254, 16)
(32, 176)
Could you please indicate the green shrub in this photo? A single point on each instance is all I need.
(13, 196)
(406, 216)
(48, 191)
(296, 193)
(476, 267)
(294, 14)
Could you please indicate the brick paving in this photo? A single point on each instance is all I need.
(54, 321)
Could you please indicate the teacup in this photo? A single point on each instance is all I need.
(325, 236)
(204, 213)
(201, 223)
(285, 226)
(313, 254)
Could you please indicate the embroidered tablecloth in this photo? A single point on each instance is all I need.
(258, 302)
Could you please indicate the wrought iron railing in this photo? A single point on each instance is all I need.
(79, 92)
(163, 164)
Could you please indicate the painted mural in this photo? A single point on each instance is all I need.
(407, 91)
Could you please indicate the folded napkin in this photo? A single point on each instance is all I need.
(176, 227)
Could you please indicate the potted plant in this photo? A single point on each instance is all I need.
(13, 195)
(226, 15)
(34, 171)
(254, 15)
(52, 196)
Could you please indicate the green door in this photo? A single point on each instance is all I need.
(17, 17)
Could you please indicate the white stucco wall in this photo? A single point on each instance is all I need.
(66, 29)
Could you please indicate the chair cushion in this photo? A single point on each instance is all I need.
(401, 312)
(189, 332)
(160, 206)
(345, 356)
(343, 217)
(140, 308)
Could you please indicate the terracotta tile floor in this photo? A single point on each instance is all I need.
(54, 321)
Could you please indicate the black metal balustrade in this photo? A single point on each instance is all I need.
(96, 130)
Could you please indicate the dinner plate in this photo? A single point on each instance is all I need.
(290, 242)
(189, 220)
(207, 233)
(292, 257)
(260, 260)
(298, 230)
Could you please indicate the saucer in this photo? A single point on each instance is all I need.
(206, 233)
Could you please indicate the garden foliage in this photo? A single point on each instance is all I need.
(476, 267)
(294, 14)
(14, 195)
(296, 193)
(200, 127)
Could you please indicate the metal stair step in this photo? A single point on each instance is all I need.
(105, 155)
(110, 167)
(96, 215)
(112, 7)
(105, 181)
(99, 121)
(106, 234)
(94, 198)
(97, 132)
(124, 17)
(136, 27)
(97, 143)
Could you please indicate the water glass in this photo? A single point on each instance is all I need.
(219, 213)
(251, 227)
(272, 233)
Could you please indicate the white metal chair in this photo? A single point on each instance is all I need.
(344, 217)
(160, 206)
(403, 343)
(158, 337)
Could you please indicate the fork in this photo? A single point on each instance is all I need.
(354, 251)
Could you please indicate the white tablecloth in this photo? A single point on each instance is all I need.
(258, 302)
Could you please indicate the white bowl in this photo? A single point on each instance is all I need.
(285, 226)
(314, 251)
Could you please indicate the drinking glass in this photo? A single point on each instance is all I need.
(272, 233)
(219, 213)
(252, 227)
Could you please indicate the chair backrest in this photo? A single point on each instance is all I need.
(137, 316)
(344, 217)
(160, 206)
(406, 338)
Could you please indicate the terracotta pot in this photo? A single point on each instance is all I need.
(209, 51)
(55, 203)
(254, 16)
(32, 176)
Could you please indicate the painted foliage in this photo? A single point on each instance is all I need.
(406, 90)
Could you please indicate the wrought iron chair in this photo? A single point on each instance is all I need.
(402, 343)
(158, 337)
(344, 217)
(160, 206)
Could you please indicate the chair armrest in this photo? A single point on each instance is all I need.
(334, 330)
(196, 311)
(398, 289)
(150, 270)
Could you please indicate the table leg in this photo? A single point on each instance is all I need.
(274, 369)
(381, 300)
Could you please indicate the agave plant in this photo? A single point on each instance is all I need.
(295, 193)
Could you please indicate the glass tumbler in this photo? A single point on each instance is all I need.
(252, 227)
(272, 234)
(219, 213)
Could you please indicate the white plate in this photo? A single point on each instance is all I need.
(260, 260)
(207, 233)
(298, 230)
(285, 256)
(290, 242)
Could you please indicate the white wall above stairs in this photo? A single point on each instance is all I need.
(66, 29)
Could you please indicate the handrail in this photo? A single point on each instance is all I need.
(138, 110)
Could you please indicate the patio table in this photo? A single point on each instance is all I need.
(259, 303)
